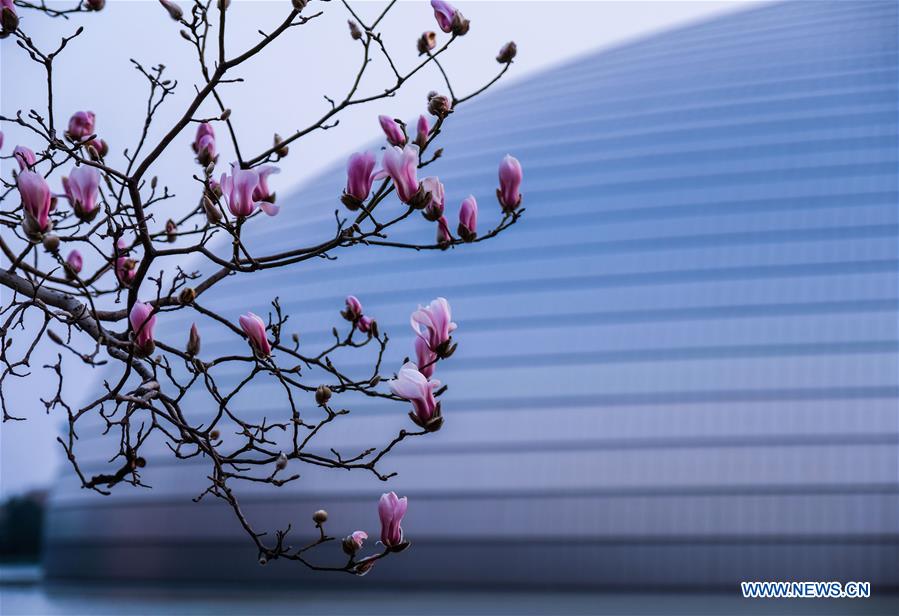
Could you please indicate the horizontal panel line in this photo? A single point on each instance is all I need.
(631, 279)
(747, 539)
(673, 315)
(580, 445)
(662, 491)
(658, 354)
(530, 253)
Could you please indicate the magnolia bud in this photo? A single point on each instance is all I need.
(280, 150)
(223, 4)
(8, 20)
(100, 147)
(213, 214)
(426, 42)
(320, 516)
(214, 435)
(51, 242)
(299, 5)
(507, 53)
(355, 32)
(173, 9)
(96, 5)
(225, 114)
(187, 296)
(349, 545)
(440, 106)
(281, 464)
(193, 341)
(171, 230)
(322, 395)
(153, 182)
(460, 24)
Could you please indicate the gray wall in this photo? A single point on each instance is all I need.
(680, 368)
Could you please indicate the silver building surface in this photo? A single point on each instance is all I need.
(679, 369)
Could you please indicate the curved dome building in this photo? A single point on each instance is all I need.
(680, 368)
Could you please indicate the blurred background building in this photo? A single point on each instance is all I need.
(680, 368)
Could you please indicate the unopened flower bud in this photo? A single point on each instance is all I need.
(9, 20)
(213, 214)
(281, 464)
(74, 263)
(187, 296)
(173, 9)
(214, 435)
(96, 5)
(439, 105)
(507, 53)
(322, 395)
(51, 242)
(299, 5)
(426, 42)
(171, 230)
(355, 32)
(223, 4)
(280, 150)
(100, 148)
(460, 25)
(320, 516)
(193, 341)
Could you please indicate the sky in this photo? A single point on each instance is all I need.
(282, 91)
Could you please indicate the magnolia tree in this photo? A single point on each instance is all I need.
(97, 255)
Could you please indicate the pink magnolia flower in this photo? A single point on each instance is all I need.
(353, 309)
(81, 125)
(35, 193)
(468, 219)
(444, 12)
(393, 131)
(425, 358)
(434, 209)
(444, 237)
(25, 157)
(434, 323)
(1, 139)
(402, 167)
(81, 190)
(358, 537)
(74, 262)
(509, 183)
(262, 194)
(391, 510)
(204, 144)
(412, 385)
(422, 130)
(365, 324)
(142, 323)
(254, 328)
(359, 178)
(100, 146)
(240, 192)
